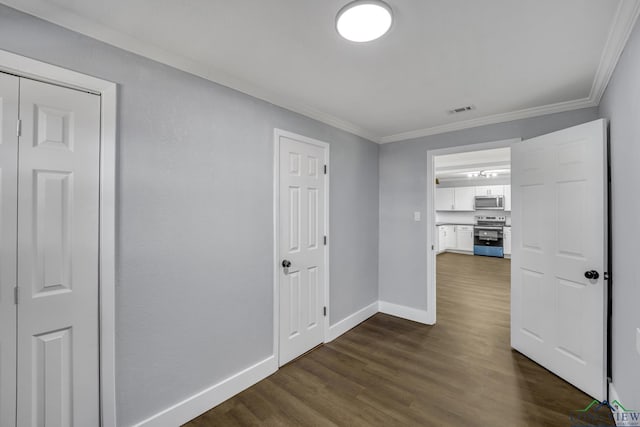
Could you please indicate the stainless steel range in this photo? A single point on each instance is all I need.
(488, 235)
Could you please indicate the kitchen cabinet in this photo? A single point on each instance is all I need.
(464, 238)
(463, 198)
(455, 199)
(490, 190)
(450, 237)
(507, 198)
(445, 199)
(455, 238)
(441, 240)
(506, 242)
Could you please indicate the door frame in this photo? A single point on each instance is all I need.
(431, 212)
(29, 68)
(277, 134)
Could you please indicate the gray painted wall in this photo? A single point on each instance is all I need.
(194, 233)
(621, 105)
(403, 190)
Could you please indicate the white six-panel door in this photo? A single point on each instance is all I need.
(559, 234)
(8, 220)
(58, 212)
(302, 230)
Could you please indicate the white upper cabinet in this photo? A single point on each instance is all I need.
(444, 199)
(463, 198)
(507, 198)
(455, 199)
(490, 190)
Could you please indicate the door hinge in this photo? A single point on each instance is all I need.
(16, 294)
(325, 240)
(325, 169)
(19, 128)
(324, 311)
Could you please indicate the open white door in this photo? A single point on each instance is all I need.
(302, 268)
(558, 290)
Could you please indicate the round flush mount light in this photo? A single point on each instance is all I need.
(364, 20)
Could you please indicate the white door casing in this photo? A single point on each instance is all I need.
(302, 226)
(18, 65)
(58, 214)
(559, 232)
(8, 220)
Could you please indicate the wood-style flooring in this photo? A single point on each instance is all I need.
(393, 372)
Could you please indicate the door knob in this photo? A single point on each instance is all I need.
(286, 264)
(591, 275)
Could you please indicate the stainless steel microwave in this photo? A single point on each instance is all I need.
(495, 203)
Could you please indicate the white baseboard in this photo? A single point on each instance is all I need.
(613, 397)
(409, 313)
(351, 321)
(199, 403)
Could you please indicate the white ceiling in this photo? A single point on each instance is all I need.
(510, 59)
(457, 166)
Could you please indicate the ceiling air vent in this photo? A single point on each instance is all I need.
(462, 109)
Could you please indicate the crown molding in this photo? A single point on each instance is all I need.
(623, 23)
(492, 119)
(65, 18)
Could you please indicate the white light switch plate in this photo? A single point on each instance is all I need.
(638, 339)
(416, 216)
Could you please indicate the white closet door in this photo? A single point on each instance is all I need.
(8, 206)
(302, 187)
(58, 366)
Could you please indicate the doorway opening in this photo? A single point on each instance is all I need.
(469, 216)
(550, 307)
(472, 247)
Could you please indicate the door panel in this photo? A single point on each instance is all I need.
(8, 238)
(301, 207)
(559, 217)
(58, 366)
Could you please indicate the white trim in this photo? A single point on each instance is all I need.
(431, 212)
(351, 321)
(16, 64)
(405, 312)
(277, 134)
(625, 18)
(623, 22)
(613, 396)
(492, 119)
(203, 401)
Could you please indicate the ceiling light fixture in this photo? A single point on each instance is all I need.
(364, 20)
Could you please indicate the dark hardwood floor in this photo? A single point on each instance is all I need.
(393, 372)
